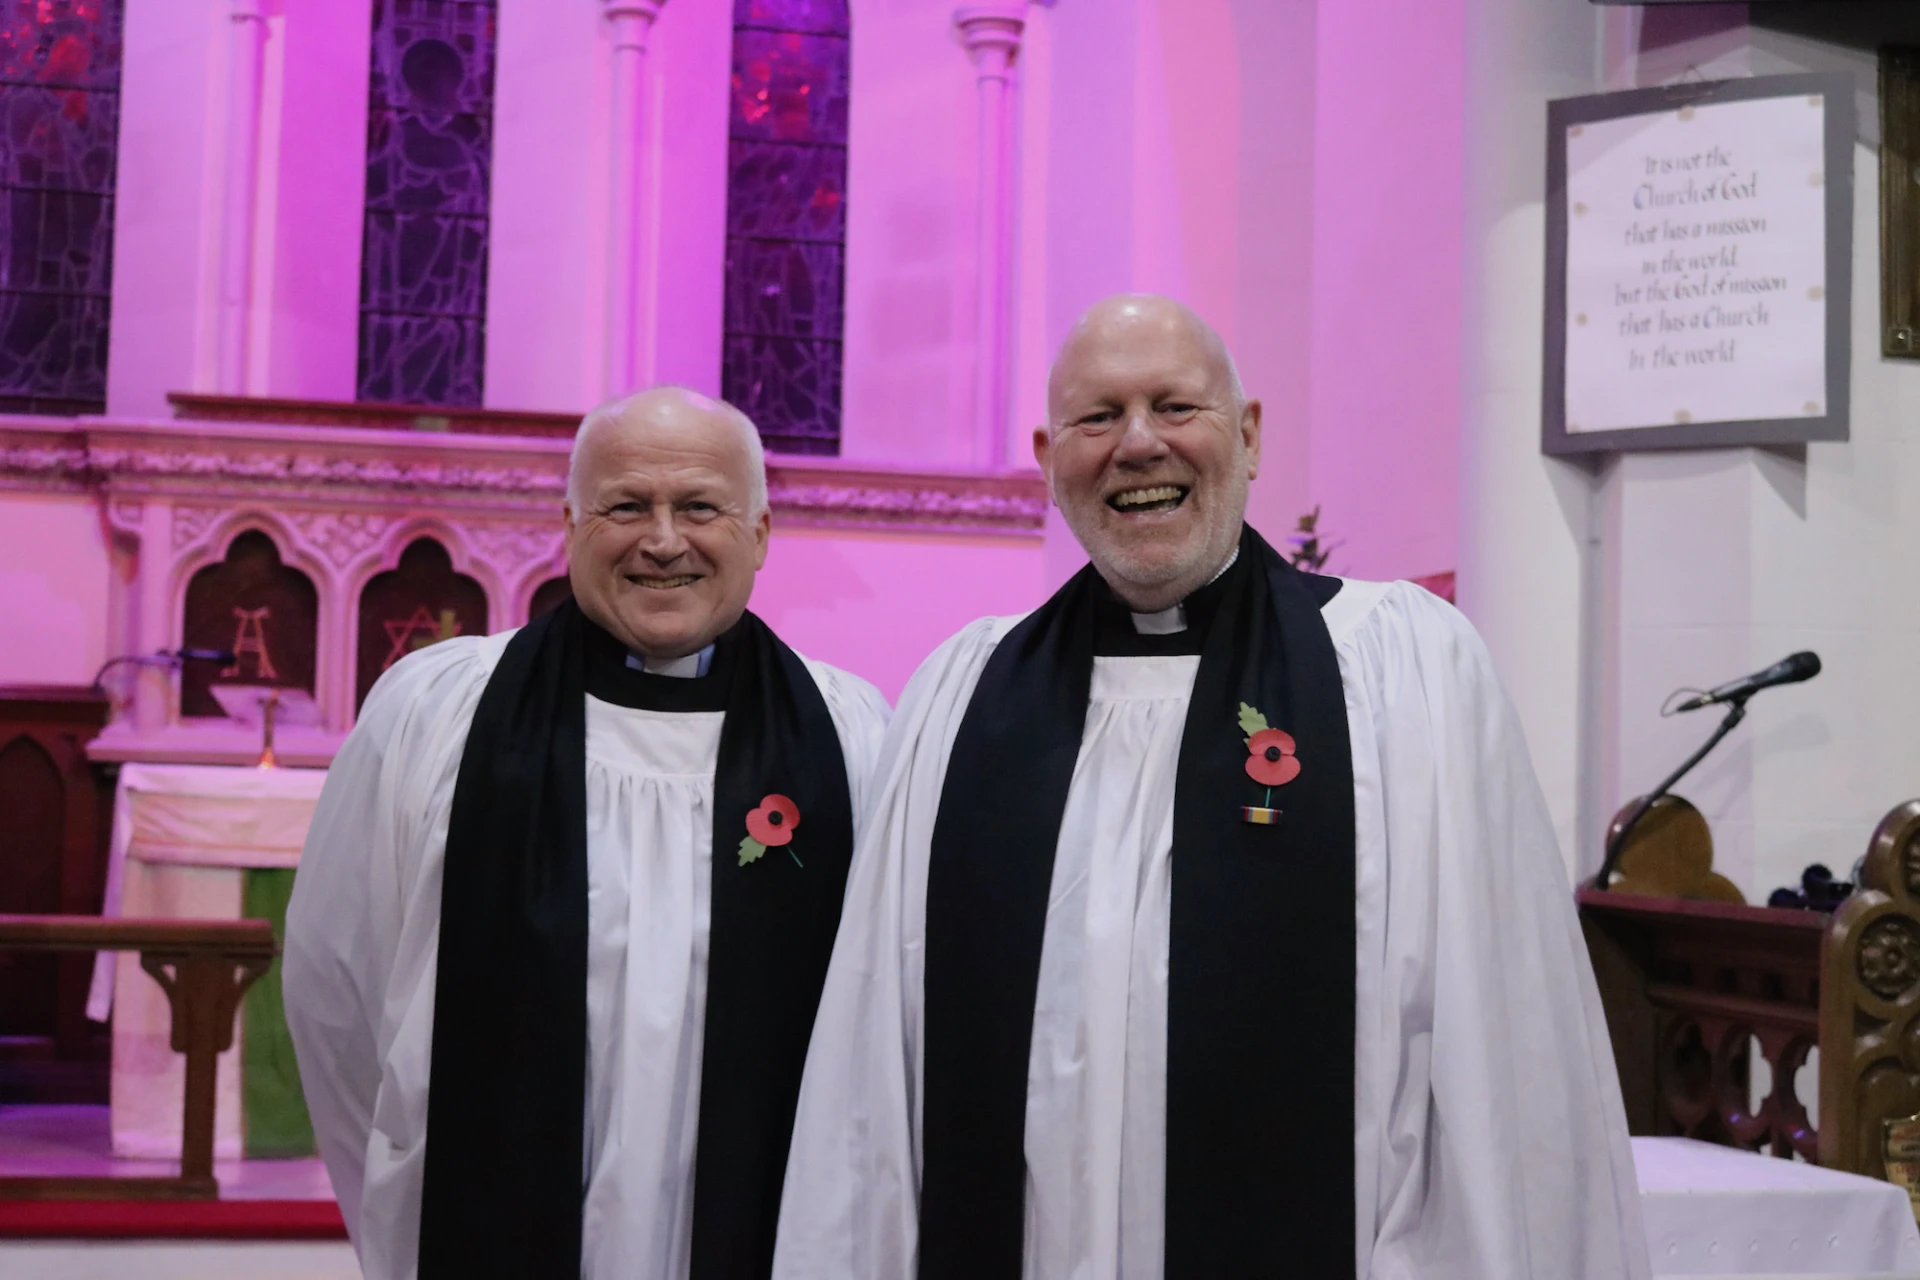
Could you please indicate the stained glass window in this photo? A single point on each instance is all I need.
(59, 121)
(423, 263)
(787, 220)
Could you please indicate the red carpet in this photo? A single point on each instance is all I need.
(153, 1220)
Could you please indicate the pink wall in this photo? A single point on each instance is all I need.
(54, 579)
(313, 186)
(1387, 286)
(878, 604)
(172, 117)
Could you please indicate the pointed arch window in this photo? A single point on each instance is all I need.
(787, 219)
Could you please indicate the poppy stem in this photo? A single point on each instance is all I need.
(1269, 797)
(796, 858)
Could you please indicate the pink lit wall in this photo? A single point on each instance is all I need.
(1387, 296)
(53, 585)
(877, 604)
(166, 206)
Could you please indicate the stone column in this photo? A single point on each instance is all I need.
(632, 21)
(992, 33)
(247, 46)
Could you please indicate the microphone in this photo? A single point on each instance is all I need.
(226, 655)
(1791, 669)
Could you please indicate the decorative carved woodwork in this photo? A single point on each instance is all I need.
(418, 602)
(1870, 1001)
(1688, 987)
(54, 817)
(204, 966)
(1669, 853)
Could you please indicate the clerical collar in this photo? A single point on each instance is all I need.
(688, 667)
(697, 682)
(1121, 633)
(1173, 621)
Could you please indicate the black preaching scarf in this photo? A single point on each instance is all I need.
(507, 1094)
(1260, 1016)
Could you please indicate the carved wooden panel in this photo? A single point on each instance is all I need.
(265, 611)
(1870, 1001)
(1689, 988)
(419, 602)
(53, 819)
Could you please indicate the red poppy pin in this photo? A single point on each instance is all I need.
(770, 826)
(1271, 762)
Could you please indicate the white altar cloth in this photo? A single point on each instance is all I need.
(183, 838)
(1719, 1211)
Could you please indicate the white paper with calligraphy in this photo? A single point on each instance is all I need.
(1696, 265)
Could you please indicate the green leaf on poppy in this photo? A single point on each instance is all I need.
(1251, 721)
(751, 850)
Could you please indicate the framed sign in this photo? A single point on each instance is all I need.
(1699, 262)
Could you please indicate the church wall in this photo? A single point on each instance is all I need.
(54, 574)
(1527, 569)
(1601, 589)
(878, 604)
(167, 202)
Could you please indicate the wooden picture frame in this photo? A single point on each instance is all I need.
(1900, 202)
(1823, 419)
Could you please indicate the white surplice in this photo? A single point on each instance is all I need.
(1489, 1138)
(363, 934)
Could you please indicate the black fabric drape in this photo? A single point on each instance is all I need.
(1260, 1020)
(507, 1092)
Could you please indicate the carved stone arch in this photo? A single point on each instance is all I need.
(212, 543)
(284, 650)
(425, 594)
(397, 536)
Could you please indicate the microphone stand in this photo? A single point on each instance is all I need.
(1736, 712)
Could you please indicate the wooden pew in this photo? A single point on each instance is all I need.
(204, 966)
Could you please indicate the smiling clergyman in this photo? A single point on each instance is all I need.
(549, 981)
(1209, 923)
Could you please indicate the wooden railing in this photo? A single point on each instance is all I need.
(204, 966)
(1690, 988)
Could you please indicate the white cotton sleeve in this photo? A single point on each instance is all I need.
(851, 1206)
(860, 715)
(352, 890)
(1491, 1140)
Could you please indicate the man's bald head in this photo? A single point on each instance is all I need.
(1112, 320)
(666, 519)
(1149, 447)
(669, 406)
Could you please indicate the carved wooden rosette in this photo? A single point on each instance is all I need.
(1870, 1001)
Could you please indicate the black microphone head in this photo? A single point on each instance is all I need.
(1804, 665)
(205, 655)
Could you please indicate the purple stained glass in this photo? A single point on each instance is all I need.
(59, 128)
(68, 43)
(789, 88)
(790, 388)
(828, 16)
(784, 287)
(787, 193)
(423, 277)
(786, 220)
(420, 359)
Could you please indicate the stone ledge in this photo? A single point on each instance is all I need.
(132, 458)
